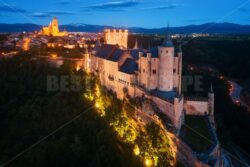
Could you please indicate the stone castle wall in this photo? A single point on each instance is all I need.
(196, 107)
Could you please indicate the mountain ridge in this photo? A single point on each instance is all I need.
(212, 28)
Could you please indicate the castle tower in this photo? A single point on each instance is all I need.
(116, 37)
(139, 68)
(211, 101)
(144, 69)
(148, 70)
(166, 64)
(180, 69)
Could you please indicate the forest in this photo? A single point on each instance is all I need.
(93, 128)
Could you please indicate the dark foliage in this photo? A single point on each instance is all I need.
(28, 113)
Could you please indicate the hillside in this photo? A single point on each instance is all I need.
(89, 127)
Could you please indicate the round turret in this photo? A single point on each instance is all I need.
(166, 65)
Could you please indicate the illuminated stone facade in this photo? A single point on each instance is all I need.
(116, 37)
(53, 29)
(154, 73)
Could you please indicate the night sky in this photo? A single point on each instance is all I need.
(127, 13)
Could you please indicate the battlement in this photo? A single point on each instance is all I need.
(107, 30)
(116, 37)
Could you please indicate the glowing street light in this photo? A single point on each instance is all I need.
(78, 68)
(97, 105)
(148, 162)
(54, 55)
(136, 150)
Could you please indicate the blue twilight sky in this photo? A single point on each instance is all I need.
(128, 13)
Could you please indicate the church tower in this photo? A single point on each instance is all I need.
(54, 26)
(166, 64)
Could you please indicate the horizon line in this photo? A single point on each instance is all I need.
(134, 26)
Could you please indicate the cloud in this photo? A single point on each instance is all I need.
(196, 20)
(12, 9)
(41, 15)
(113, 6)
(165, 7)
(51, 13)
(59, 12)
(63, 2)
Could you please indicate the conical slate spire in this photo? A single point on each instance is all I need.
(211, 88)
(167, 40)
(136, 44)
(168, 37)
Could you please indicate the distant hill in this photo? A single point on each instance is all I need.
(221, 28)
(19, 27)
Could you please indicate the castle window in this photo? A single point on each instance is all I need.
(111, 78)
(154, 71)
(174, 70)
(166, 51)
(143, 70)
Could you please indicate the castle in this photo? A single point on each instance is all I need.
(153, 73)
(53, 29)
